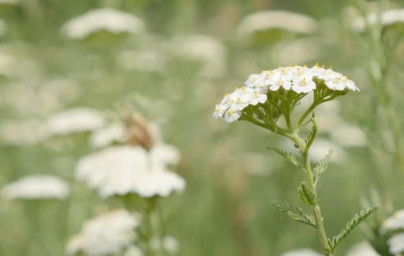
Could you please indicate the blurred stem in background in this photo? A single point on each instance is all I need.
(154, 228)
(378, 69)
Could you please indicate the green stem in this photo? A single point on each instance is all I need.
(315, 207)
(160, 229)
(305, 114)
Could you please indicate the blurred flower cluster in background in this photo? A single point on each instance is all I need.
(108, 145)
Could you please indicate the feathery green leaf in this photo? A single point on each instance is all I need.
(307, 195)
(352, 224)
(310, 138)
(294, 212)
(321, 167)
(288, 155)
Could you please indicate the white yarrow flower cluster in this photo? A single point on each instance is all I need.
(258, 86)
(110, 20)
(9, 2)
(207, 50)
(396, 244)
(36, 187)
(3, 28)
(106, 136)
(301, 252)
(75, 120)
(146, 60)
(362, 249)
(395, 222)
(131, 169)
(169, 243)
(22, 133)
(107, 234)
(385, 18)
(267, 20)
(133, 251)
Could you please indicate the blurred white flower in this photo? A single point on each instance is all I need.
(25, 132)
(146, 60)
(75, 120)
(362, 249)
(3, 28)
(285, 20)
(106, 136)
(385, 18)
(110, 20)
(164, 155)
(9, 2)
(36, 187)
(133, 251)
(349, 136)
(208, 50)
(131, 169)
(29, 99)
(396, 244)
(301, 252)
(327, 116)
(394, 223)
(169, 243)
(257, 164)
(60, 89)
(106, 234)
(297, 51)
(321, 147)
(7, 63)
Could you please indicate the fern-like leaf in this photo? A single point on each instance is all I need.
(352, 224)
(288, 155)
(294, 212)
(310, 138)
(321, 167)
(307, 195)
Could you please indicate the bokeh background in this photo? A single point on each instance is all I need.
(174, 71)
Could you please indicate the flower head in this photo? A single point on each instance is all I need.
(395, 222)
(301, 252)
(275, 88)
(208, 51)
(362, 249)
(386, 18)
(268, 20)
(36, 187)
(169, 243)
(110, 20)
(106, 234)
(121, 170)
(74, 120)
(396, 244)
(106, 136)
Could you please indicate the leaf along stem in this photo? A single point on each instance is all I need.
(315, 206)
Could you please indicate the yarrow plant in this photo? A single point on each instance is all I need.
(130, 168)
(272, 94)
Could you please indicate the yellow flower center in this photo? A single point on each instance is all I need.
(304, 82)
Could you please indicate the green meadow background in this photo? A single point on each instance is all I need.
(231, 176)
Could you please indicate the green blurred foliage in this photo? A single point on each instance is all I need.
(225, 209)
